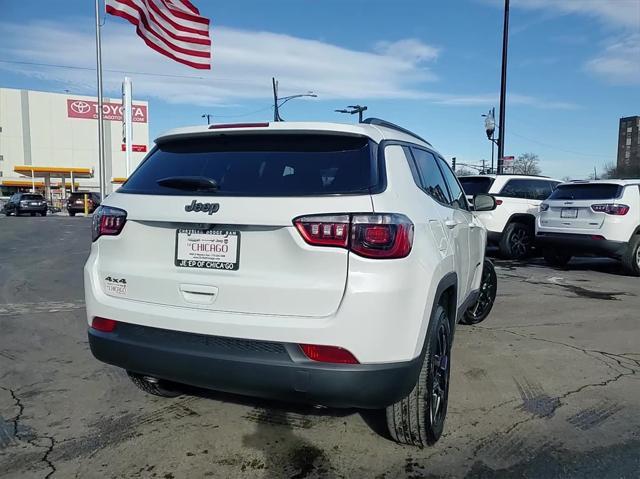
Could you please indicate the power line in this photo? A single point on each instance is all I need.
(131, 72)
(558, 148)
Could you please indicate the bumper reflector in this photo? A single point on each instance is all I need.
(328, 354)
(103, 324)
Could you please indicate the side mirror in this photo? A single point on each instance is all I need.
(484, 203)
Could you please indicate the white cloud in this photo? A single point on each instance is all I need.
(619, 63)
(618, 13)
(243, 64)
(409, 49)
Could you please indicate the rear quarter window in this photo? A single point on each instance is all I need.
(264, 165)
(592, 191)
(474, 185)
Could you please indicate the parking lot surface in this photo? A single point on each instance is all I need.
(547, 386)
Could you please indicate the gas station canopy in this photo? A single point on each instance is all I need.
(46, 172)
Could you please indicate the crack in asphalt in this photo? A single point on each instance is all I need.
(33, 441)
(618, 358)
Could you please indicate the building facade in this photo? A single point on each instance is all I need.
(45, 137)
(629, 143)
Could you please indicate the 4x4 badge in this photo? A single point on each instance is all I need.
(210, 208)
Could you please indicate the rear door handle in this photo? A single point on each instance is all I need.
(451, 224)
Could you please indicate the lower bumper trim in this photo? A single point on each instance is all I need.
(582, 244)
(252, 368)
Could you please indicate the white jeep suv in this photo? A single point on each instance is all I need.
(313, 262)
(592, 217)
(511, 226)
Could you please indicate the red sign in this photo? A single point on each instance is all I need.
(88, 110)
(136, 148)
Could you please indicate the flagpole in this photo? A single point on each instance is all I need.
(101, 149)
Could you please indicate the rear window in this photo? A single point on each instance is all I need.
(32, 197)
(263, 165)
(591, 191)
(474, 185)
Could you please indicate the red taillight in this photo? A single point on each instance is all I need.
(328, 354)
(498, 202)
(611, 209)
(324, 230)
(372, 236)
(223, 126)
(597, 237)
(381, 236)
(107, 221)
(103, 324)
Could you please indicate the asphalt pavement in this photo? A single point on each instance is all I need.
(547, 386)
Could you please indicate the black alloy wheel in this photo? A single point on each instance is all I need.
(440, 363)
(519, 242)
(479, 311)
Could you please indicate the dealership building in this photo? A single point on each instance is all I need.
(48, 140)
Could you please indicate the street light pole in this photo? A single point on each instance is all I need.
(503, 86)
(208, 117)
(278, 102)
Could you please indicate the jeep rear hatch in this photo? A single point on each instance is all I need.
(578, 205)
(210, 221)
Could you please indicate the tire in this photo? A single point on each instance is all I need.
(557, 258)
(631, 258)
(484, 304)
(411, 420)
(516, 241)
(157, 387)
(72, 213)
(32, 214)
(44, 213)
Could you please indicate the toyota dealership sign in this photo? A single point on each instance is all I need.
(88, 110)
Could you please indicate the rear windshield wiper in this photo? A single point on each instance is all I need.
(189, 183)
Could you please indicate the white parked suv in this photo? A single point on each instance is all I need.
(511, 226)
(592, 217)
(314, 262)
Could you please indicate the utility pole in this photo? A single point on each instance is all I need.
(208, 117)
(276, 114)
(503, 86)
(453, 164)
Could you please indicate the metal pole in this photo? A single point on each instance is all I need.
(101, 168)
(503, 86)
(127, 93)
(493, 142)
(276, 115)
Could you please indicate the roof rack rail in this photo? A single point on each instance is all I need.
(393, 126)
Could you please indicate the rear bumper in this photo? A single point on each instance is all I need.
(253, 368)
(31, 209)
(582, 244)
(79, 209)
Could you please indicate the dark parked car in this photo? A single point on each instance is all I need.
(75, 202)
(21, 203)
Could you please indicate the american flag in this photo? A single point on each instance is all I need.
(174, 28)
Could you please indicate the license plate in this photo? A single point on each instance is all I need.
(569, 213)
(34, 203)
(208, 249)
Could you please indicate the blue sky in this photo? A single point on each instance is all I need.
(434, 67)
